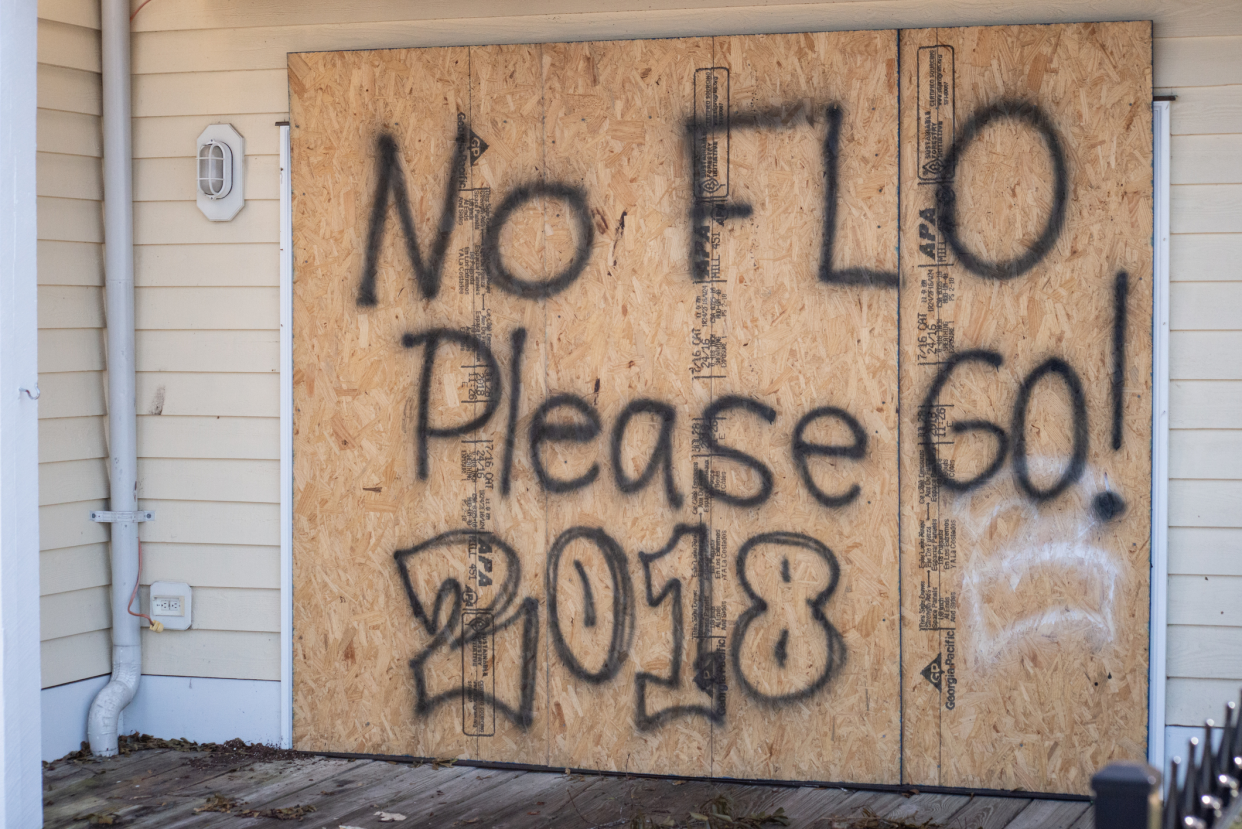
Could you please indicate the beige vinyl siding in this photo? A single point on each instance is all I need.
(73, 475)
(205, 343)
(208, 313)
(1205, 360)
(208, 356)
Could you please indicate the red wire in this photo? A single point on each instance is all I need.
(130, 606)
(135, 14)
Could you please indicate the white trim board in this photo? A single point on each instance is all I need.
(1157, 654)
(286, 443)
(1177, 742)
(205, 710)
(202, 709)
(21, 801)
(64, 715)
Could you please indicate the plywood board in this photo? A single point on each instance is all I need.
(597, 357)
(1026, 401)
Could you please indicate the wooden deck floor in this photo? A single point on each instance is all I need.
(174, 789)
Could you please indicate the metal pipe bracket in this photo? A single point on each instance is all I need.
(103, 516)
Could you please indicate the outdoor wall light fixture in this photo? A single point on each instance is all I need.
(215, 169)
(221, 179)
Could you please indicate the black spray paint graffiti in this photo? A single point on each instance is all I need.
(708, 211)
(709, 673)
(429, 270)
(927, 425)
(803, 449)
(457, 622)
(834, 644)
(704, 205)
(517, 344)
(456, 596)
(622, 603)
(727, 404)
(832, 163)
(392, 183)
(946, 195)
(544, 430)
(549, 425)
(430, 341)
(661, 455)
(1121, 295)
(1107, 505)
(501, 277)
(1078, 453)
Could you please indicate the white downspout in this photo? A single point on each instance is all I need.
(104, 718)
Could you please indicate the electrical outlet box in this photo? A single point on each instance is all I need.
(170, 604)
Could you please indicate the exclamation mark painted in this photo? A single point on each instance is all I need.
(1121, 292)
(1108, 504)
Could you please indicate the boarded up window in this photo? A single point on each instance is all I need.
(763, 407)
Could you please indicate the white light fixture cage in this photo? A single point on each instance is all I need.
(221, 181)
(215, 169)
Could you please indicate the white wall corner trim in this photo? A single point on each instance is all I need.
(21, 776)
(286, 443)
(202, 709)
(205, 710)
(1157, 672)
(64, 715)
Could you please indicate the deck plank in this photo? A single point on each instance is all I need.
(1049, 814)
(1087, 820)
(483, 807)
(556, 803)
(427, 791)
(97, 773)
(125, 790)
(248, 787)
(988, 813)
(862, 804)
(749, 800)
(621, 798)
(806, 805)
(162, 789)
(294, 776)
(927, 808)
(383, 786)
(526, 797)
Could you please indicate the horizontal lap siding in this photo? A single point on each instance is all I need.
(207, 344)
(1205, 356)
(208, 352)
(74, 570)
(207, 292)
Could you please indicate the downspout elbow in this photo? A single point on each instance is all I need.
(103, 722)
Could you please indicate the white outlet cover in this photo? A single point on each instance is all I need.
(223, 210)
(170, 604)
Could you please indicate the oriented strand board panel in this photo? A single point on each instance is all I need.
(1026, 402)
(598, 456)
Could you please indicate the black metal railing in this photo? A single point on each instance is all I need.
(1202, 791)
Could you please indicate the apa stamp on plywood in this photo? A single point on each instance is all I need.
(711, 117)
(936, 97)
(478, 674)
